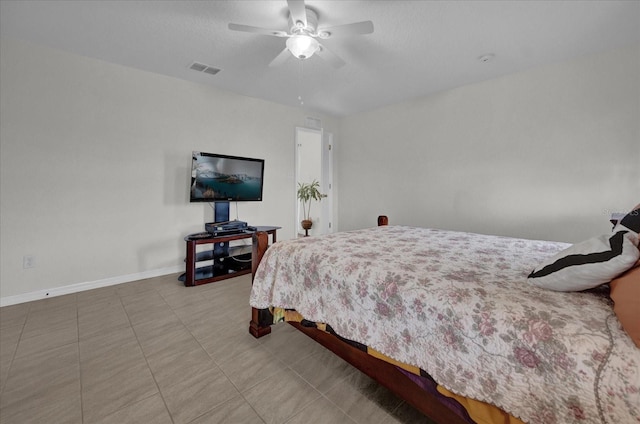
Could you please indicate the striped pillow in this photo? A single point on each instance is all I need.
(588, 264)
(631, 221)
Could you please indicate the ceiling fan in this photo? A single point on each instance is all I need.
(302, 38)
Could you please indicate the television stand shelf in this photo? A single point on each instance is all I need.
(228, 261)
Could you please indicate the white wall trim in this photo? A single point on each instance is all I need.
(75, 288)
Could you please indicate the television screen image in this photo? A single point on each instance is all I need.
(218, 178)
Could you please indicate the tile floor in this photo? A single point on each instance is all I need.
(154, 351)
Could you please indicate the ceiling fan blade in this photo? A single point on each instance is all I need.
(333, 59)
(365, 27)
(256, 30)
(297, 11)
(281, 58)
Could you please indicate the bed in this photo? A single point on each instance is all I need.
(448, 321)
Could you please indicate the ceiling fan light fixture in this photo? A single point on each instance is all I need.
(302, 46)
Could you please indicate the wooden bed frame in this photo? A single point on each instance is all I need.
(383, 372)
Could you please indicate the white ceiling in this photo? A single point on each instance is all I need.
(417, 48)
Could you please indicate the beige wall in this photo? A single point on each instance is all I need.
(95, 166)
(543, 154)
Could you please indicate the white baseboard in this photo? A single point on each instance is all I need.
(75, 288)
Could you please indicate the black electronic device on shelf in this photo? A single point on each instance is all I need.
(226, 227)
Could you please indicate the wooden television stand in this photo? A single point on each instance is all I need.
(228, 260)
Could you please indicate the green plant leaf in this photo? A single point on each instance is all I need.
(306, 193)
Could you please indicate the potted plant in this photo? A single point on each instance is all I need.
(306, 193)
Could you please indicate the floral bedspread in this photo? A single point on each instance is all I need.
(458, 306)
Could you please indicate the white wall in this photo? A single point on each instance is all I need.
(543, 154)
(95, 167)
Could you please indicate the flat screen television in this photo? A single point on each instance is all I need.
(223, 178)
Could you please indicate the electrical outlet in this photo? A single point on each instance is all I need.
(28, 261)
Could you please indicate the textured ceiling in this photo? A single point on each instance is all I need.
(417, 48)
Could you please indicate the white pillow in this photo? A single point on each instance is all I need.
(588, 264)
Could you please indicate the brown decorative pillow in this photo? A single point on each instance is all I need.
(625, 292)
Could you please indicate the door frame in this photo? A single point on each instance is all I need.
(326, 181)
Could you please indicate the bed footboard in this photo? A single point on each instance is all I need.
(261, 319)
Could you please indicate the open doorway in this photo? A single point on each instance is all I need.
(314, 161)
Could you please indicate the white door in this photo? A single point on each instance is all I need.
(314, 159)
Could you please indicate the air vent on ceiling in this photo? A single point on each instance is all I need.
(201, 67)
(314, 123)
